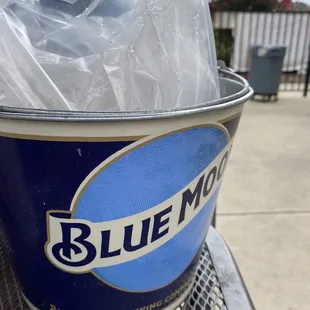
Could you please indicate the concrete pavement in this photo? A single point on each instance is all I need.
(264, 205)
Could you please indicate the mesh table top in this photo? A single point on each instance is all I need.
(206, 293)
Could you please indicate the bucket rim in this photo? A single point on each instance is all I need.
(223, 103)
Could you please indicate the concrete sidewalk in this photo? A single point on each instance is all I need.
(264, 206)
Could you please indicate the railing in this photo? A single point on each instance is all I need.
(237, 32)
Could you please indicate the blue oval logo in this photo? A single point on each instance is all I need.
(142, 179)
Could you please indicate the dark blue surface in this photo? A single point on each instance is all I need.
(38, 176)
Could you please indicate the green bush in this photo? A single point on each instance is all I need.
(224, 44)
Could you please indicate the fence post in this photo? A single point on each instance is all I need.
(307, 77)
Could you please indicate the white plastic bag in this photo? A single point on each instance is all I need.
(107, 55)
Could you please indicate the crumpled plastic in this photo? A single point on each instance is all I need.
(107, 55)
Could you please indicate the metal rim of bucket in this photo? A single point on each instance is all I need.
(239, 97)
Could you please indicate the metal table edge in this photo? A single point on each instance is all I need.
(235, 293)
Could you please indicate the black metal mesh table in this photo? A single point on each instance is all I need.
(218, 284)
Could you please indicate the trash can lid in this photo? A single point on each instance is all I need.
(268, 50)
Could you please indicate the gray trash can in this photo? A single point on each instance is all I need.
(266, 69)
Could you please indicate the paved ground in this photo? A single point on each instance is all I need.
(264, 207)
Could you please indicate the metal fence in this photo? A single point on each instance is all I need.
(237, 32)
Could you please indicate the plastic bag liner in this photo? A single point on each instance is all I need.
(106, 55)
